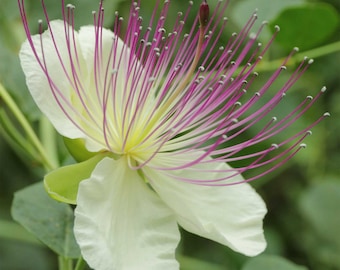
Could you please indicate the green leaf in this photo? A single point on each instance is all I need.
(62, 183)
(306, 26)
(267, 10)
(51, 222)
(270, 262)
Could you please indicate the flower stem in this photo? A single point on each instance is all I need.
(80, 264)
(65, 263)
(298, 57)
(32, 137)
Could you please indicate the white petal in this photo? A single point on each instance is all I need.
(52, 75)
(121, 224)
(231, 215)
(37, 81)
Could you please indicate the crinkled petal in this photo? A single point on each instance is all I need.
(37, 80)
(59, 82)
(121, 224)
(231, 215)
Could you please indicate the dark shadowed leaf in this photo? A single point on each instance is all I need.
(51, 222)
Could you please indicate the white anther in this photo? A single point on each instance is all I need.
(274, 118)
(326, 114)
(275, 146)
(201, 68)
(277, 28)
(323, 89)
(311, 61)
(252, 36)
(303, 145)
(309, 132)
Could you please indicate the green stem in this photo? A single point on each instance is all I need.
(81, 264)
(49, 140)
(298, 57)
(49, 165)
(14, 138)
(65, 263)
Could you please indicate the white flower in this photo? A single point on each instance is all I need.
(164, 123)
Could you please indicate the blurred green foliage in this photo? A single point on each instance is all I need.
(303, 197)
